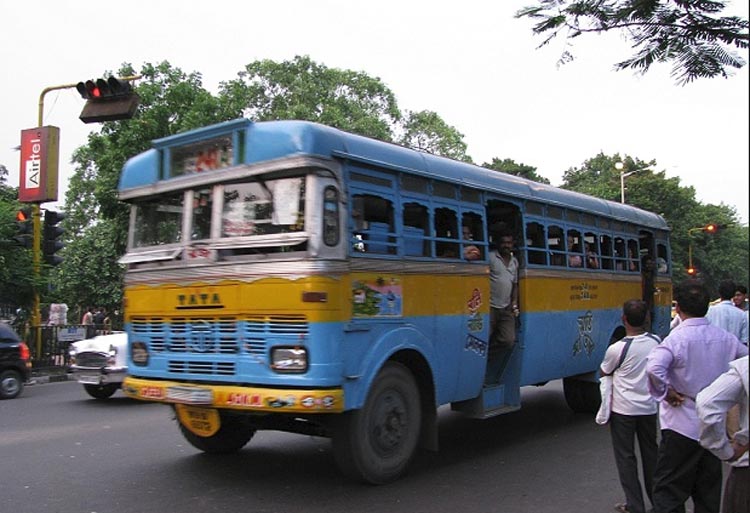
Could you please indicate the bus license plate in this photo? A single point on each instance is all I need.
(190, 395)
(201, 421)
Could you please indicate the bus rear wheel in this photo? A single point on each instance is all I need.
(582, 396)
(376, 443)
(233, 434)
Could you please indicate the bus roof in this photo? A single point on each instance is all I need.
(271, 140)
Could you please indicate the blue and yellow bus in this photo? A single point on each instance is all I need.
(289, 276)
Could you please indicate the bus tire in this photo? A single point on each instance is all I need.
(582, 396)
(101, 391)
(233, 434)
(376, 443)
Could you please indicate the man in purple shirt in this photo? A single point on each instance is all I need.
(693, 355)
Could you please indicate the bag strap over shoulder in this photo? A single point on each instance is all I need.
(628, 341)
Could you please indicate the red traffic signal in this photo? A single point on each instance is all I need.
(24, 228)
(107, 100)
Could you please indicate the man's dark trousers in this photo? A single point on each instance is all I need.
(685, 469)
(624, 430)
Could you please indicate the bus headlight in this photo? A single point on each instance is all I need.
(289, 359)
(139, 353)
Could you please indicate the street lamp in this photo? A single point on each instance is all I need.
(620, 166)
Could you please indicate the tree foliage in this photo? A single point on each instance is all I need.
(689, 34)
(512, 168)
(426, 131)
(302, 89)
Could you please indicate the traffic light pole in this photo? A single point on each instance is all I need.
(36, 317)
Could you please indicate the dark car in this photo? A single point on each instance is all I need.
(15, 363)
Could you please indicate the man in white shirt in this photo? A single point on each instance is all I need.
(633, 408)
(712, 405)
(726, 315)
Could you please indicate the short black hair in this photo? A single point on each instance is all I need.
(727, 289)
(741, 289)
(635, 312)
(692, 298)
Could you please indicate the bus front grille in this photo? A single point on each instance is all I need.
(227, 336)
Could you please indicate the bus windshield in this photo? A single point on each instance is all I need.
(246, 209)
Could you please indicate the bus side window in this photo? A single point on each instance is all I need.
(556, 246)
(372, 224)
(575, 249)
(634, 261)
(416, 223)
(472, 236)
(591, 250)
(536, 244)
(446, 227)
(662, 264)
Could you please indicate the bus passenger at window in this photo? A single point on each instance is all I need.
(592, 260)
(574, 260)
(471, 252)
(503, 299)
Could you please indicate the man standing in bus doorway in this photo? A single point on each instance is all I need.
(503, 302)
(692, 356)
(633, 409)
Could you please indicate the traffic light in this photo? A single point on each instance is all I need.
(51, 234)
(692, 271)
(24, 228)
(107, 100)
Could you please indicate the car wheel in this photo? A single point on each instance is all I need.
(11, 384)
(101, 391)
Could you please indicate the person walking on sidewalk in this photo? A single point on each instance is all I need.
(692, 356)
(633, 409)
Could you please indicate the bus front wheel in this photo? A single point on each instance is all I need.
(582, 396)
(376, 443)
(232, 436)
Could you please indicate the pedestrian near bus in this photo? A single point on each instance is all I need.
(713, 404)
(633, 412)
(691, 357)
(740, 298)
(726, 315)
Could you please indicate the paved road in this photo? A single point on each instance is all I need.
(62, 452)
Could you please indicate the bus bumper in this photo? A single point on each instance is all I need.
(256, 399)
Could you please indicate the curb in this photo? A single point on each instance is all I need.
(49, 378)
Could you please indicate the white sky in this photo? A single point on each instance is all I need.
(471, 62)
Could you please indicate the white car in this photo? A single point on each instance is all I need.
(99, 363)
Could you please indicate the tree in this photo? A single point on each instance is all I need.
(302, 89)
(689, 34)
(426, 131)
(16, 269)
(512, 168)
